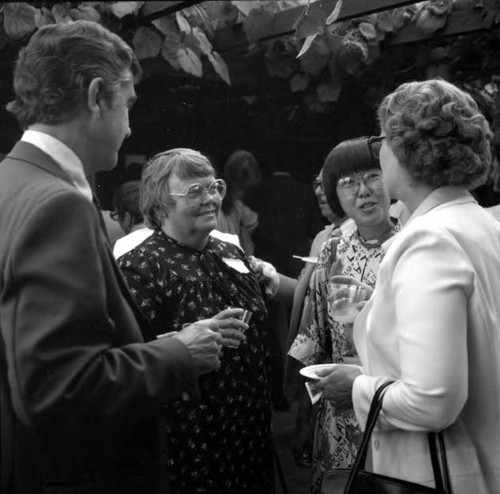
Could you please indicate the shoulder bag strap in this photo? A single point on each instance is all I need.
(439, 465)
(439, 461)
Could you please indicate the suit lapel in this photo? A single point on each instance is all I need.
(24, 151)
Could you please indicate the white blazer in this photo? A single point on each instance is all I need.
(433, 326)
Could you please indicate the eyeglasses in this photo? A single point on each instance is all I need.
(375, 154)
(115, 215)
(371, 179)
(195, 193)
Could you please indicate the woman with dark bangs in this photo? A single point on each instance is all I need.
(432, 324)
(354, 188)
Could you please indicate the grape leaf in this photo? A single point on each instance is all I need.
(220, 67)
(147, 43)
(246, 6)
(19, 19)
(61, 13)
(43, 17)
(299, 82)
(335, 14)
(310, 22)
(257, 25)
(189, 61)
(368, 31)
(307, 44)
(121, 9)
(205, 45)
(171, 45)
(182, 22)
(316, 57)
(328, 93)
(166, 25)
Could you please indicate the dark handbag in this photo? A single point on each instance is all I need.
(359, 481)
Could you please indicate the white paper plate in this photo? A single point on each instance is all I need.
(308, 259)
(310, 370)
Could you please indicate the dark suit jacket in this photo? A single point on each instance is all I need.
(81, 393)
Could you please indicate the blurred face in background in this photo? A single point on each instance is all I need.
(320, 195)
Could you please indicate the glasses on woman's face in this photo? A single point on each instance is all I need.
(115, 215)
(351, 184)
(196, 193)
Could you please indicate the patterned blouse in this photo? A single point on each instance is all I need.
(321, 339)
(222, 442)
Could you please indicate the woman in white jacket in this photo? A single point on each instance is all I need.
(433, 322)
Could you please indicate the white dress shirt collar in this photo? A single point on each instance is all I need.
(63, 156)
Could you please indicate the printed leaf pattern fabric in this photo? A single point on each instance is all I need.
(321, 339)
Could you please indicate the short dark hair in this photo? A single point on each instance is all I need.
(348, 157)
(126, 200)
(54, 70)
(437, 133)
(155, 195)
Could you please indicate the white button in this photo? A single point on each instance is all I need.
(376, 444)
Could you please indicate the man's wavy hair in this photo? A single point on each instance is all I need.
(437, 133)
(54, 70)
(155, 195)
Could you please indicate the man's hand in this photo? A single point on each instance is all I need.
(204, 345)
(337, 385)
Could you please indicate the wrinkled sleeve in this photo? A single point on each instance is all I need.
(431, 280)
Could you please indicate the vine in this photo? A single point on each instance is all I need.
(315, 60)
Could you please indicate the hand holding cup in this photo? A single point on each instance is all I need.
(231, 325)
(346, 298)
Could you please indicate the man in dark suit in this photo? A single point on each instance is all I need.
(81, 388)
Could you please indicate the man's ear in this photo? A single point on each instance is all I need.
(94, 95)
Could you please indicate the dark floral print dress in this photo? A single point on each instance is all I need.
(220, 443)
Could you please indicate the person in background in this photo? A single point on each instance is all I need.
(220, 443)
(289, 219)
(81, 391)
(127, 213)
(431, 325)
(241, 171)
(354, 188)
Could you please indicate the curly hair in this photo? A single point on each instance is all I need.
(348, 157)
(437, 133)
(54, 70)
(155, 196)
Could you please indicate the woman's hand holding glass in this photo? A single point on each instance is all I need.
(337, 385)
(231, 327)
(347, 298)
